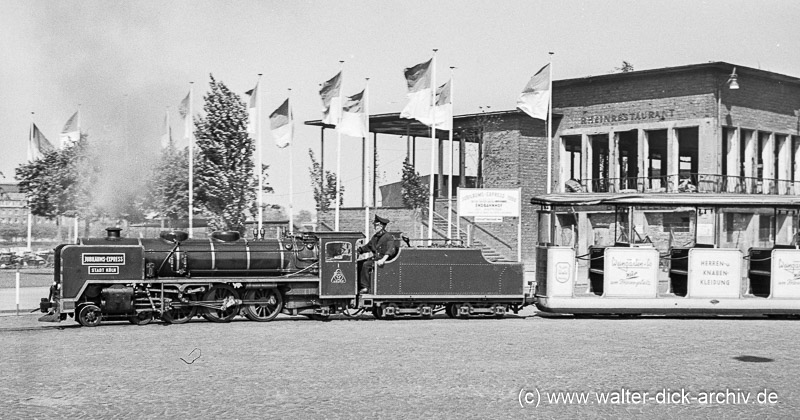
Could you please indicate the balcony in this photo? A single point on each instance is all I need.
(699, 183)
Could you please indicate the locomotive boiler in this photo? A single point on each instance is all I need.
(175, 279)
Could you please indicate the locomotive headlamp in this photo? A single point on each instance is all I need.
(288, 246)
(310, 246)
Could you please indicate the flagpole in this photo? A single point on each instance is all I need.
(364, 178)
(259, 162)
(339, 147)
(550, 128)
(432, 115)
(191, 161)
(450, 175)
(79, 139)
(291, 164)
(169, 132)
(30, 159)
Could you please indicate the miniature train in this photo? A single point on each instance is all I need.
(175, 279)
(738, 255)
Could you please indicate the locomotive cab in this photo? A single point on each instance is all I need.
(338, 267)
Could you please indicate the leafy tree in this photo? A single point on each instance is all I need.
(324, 195)
(60, 183)
(169, 185)
(415, 193)
(625, 68)
(225, 185)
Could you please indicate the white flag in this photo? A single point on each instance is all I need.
(418, 81)
(280, 121)
(332, 100)
(535, 98)
(252, 110)
(443, 111)
(354, 119)
(70, 133)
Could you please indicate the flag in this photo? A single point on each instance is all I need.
(354, 118)
(332, 100)
(443, 111)
(166, 136)
(252, 108)
(418, 80)
(39, 144)
(183, 109)
(535, 98)
(70, 133)
(280, 122)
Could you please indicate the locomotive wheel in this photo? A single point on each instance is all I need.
(142, 318)
(90, 316)
(452, 310)
(218, 294)
(267, 311)
(179, 315)
(377, 312)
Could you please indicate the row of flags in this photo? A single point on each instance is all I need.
(346, 114)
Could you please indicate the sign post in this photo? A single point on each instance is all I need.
(491, 205)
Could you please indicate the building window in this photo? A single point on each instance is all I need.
(572, 149)
(677, 222)
(599, 162)
(765, 227)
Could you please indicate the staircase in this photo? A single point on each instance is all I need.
(440, 229)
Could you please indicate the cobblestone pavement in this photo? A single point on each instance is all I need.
(439, 368)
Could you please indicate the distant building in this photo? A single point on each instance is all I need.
(13, 209)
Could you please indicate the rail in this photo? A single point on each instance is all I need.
(690, 182)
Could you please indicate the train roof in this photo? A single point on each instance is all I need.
(667, 199)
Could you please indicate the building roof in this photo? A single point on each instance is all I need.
(720, 67)
(392, 124)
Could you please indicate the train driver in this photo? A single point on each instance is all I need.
(382, 247)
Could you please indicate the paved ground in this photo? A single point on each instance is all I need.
(439, 368)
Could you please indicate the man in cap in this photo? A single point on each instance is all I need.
(382, 247)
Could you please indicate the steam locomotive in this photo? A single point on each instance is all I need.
(175, 279)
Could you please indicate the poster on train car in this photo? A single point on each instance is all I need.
(785, 273)
(630, 272)
(714, 273)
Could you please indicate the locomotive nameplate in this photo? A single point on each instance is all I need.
(111, 269)
(97, 258)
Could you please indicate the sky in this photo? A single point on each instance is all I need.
(125, 64)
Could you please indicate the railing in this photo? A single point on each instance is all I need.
(704, 183)
(470, 226)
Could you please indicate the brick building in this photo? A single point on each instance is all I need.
(14, 216)
(705, 128)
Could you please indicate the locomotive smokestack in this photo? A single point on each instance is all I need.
(113, 233)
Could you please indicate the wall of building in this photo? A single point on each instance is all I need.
(351, 219)
(762, 103)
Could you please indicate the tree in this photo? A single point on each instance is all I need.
(324, 194)
(474, 133)
(225, 182)
(169, 185)
(60, 183)
(625, 68)
(415, 193)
